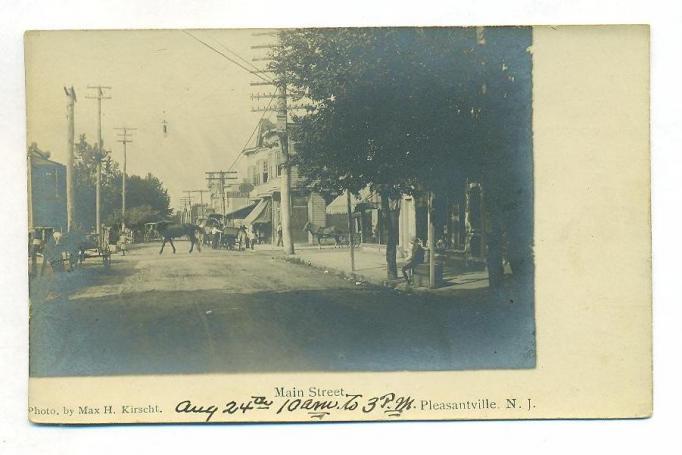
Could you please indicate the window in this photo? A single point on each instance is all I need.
(253, 175)
(278, 161)
(266, 170)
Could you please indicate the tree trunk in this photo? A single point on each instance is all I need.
(391, 221)
(521, 248)
(494, 254)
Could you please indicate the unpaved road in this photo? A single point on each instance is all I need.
(219, 311)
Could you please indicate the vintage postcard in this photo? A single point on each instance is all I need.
(410, 223)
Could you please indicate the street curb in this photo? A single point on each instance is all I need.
(359, 279)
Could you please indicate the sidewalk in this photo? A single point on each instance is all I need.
(370, 266)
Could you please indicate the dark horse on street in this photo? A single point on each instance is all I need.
(169, 231)
(320, 232)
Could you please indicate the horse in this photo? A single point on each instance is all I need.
(169, 231)
(320, 232)
(75, 243)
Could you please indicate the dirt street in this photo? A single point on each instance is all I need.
(219, 311)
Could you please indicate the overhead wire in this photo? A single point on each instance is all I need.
(257, 74)
(266, 110)
(264, 78)
(235, 53)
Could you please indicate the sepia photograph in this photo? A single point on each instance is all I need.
(278, 201)
(304, 226)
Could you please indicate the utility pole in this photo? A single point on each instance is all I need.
(350, 232)
(189, 201)
(126, 139)
(285, 187)
(201, 200)
(186, 216)
(100, 151)
(282, 116)
(431, 242)
(220, 178)
(71, 94)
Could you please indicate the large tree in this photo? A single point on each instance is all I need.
(146, 198)
(408, 110)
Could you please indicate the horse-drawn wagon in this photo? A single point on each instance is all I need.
(338, 236)
(151, 232)
(96, 245)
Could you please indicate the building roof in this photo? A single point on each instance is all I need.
(42, 159)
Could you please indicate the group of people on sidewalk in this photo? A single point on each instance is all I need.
(248, 237)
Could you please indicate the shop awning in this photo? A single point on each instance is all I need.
(261, 214)
(240, 212)
(340, 205)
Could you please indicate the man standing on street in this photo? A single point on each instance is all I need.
(416, 258)
(279, 235)
(252, 236)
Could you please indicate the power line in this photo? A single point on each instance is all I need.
(250, 71)
(241, 152)
(236, 54)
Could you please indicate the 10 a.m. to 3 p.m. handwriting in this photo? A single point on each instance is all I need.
(389, 404)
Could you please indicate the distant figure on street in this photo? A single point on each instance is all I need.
(53, 254)
(123, 241)
(201, 234)
(73, 243)
(35, 246)
(280, 242)
(242, 238)
(215, 237)
(253, 237)
(416, 258)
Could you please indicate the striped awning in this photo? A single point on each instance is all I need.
(261, 214)
(241, 212)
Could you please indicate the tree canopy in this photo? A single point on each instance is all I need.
(146, 198)
(396, 106)
(408, 110)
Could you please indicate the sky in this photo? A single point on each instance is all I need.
(154, 76)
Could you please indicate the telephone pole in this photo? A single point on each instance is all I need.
(125, 141)
(220, 177)
(282, 116)
(71, 94)
(286, 174)
(100, 151)
(184, 218)
(201, 200)
(349, 213)
(189, 201)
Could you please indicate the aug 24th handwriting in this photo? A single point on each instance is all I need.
(389, 404)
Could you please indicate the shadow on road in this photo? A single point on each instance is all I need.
(356, 329)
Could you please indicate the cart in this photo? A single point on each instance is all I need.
(151, 232)
(97, 245)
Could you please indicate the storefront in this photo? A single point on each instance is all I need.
(235, 218)
(260, 219)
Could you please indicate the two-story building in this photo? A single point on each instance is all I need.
(262, 167)
(46, 191)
